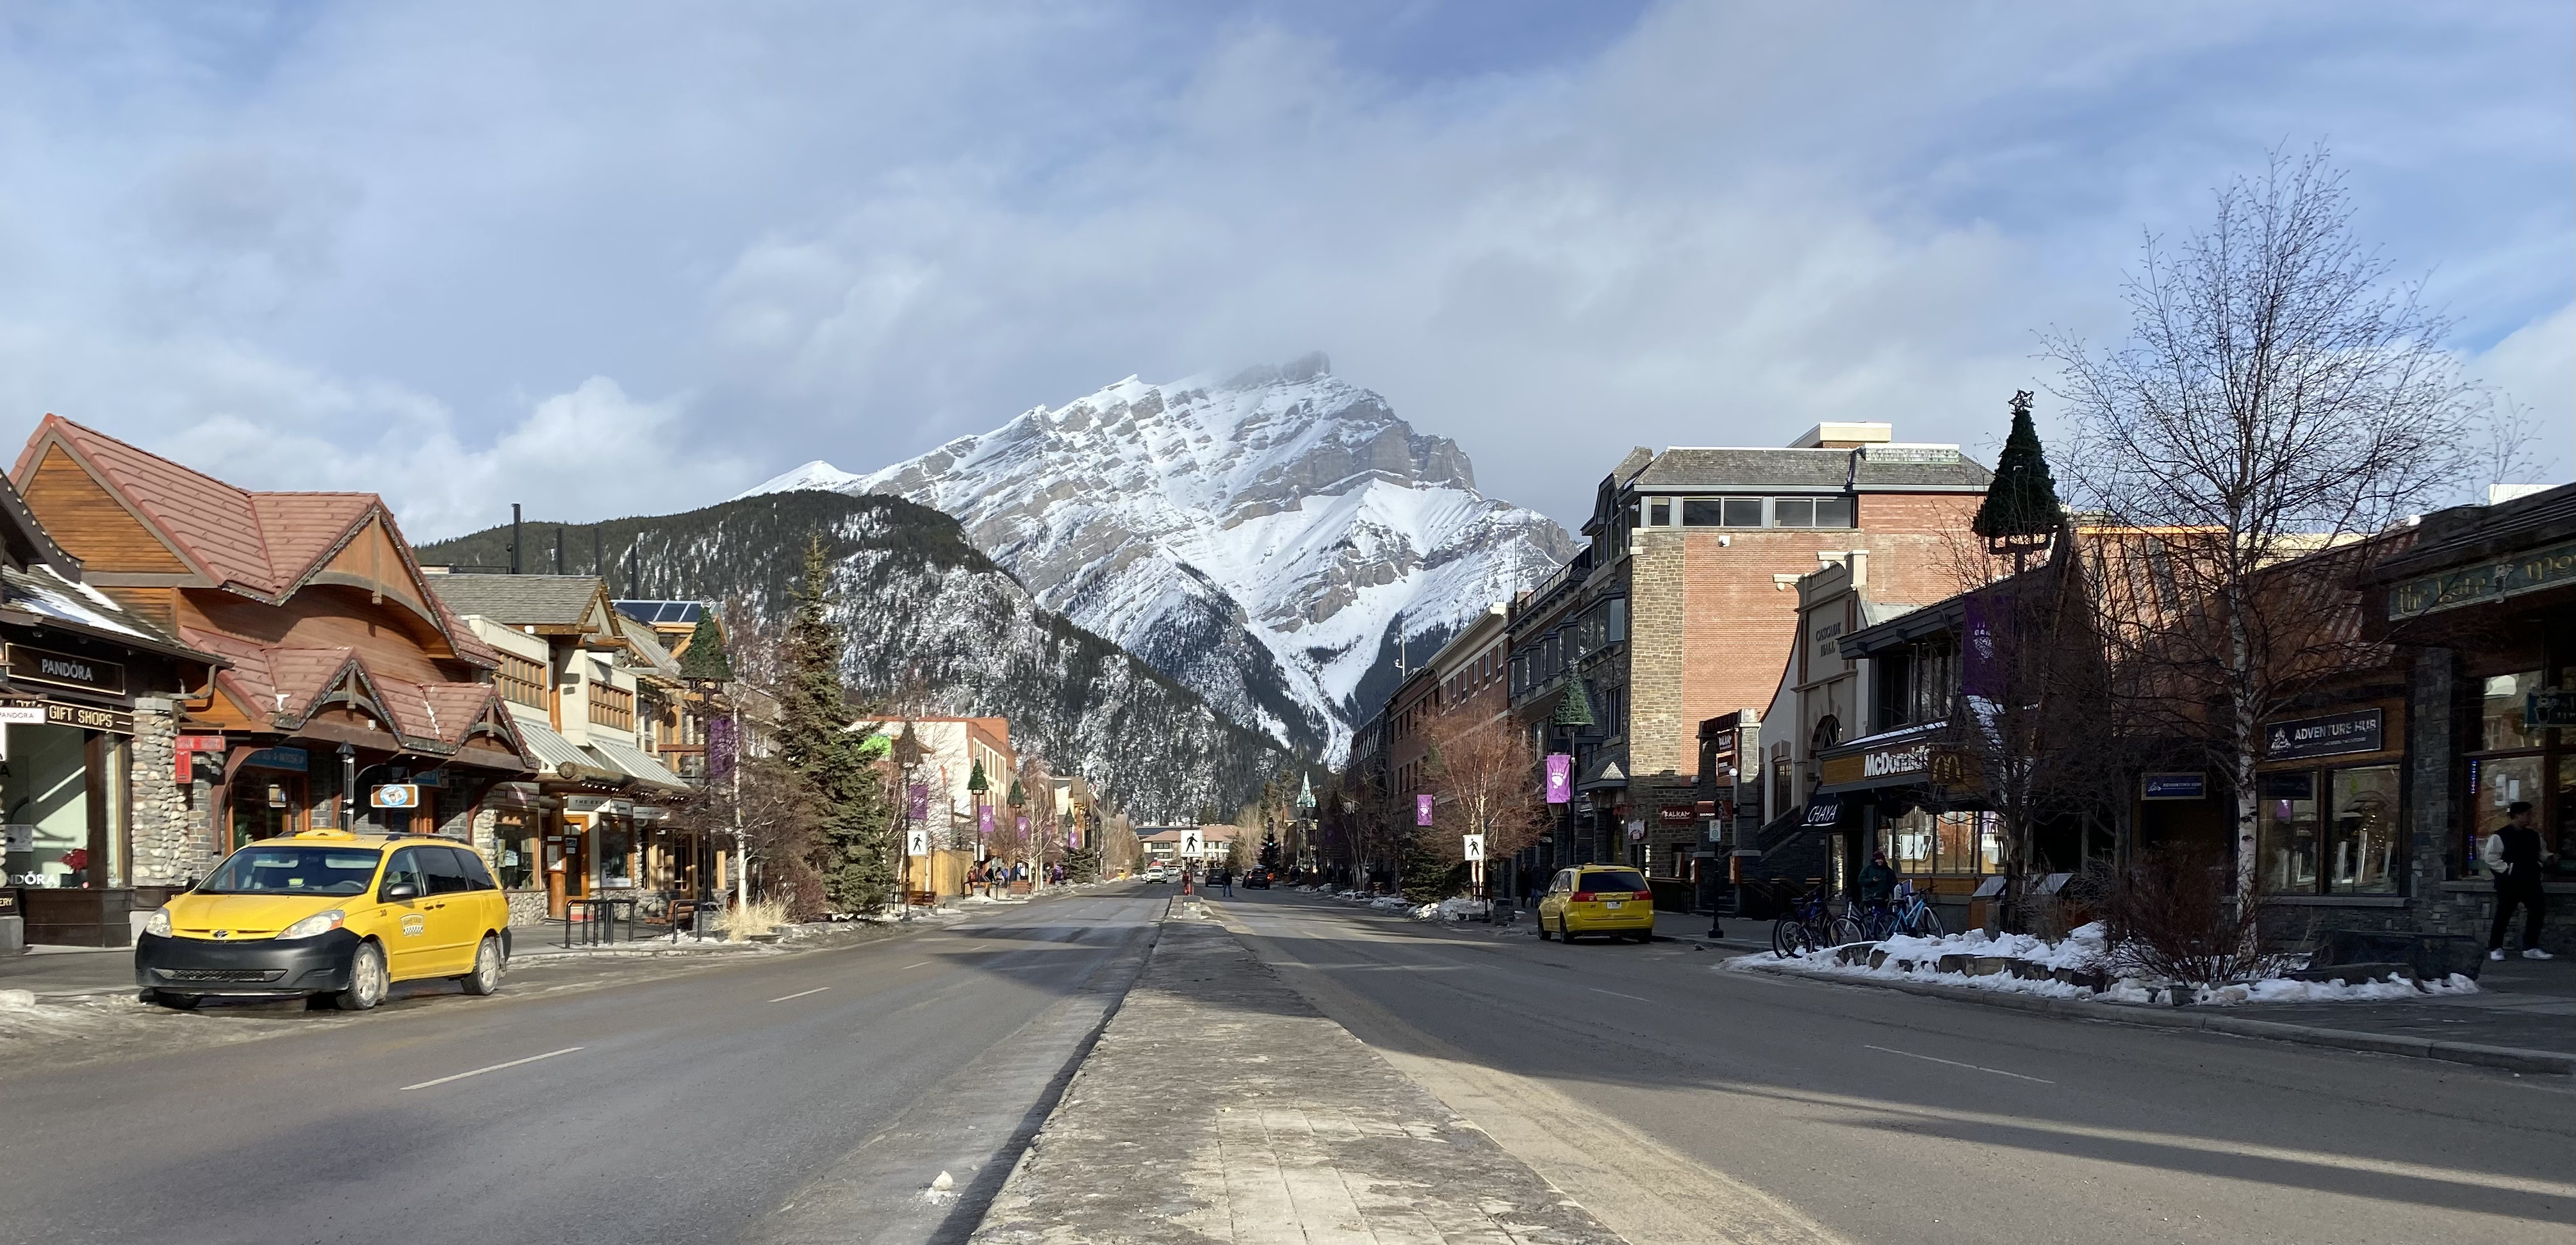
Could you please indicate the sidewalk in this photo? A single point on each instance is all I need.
(1219, 1106)
(2522, 1018)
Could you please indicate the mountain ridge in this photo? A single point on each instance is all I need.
(919, 604)
(1270, 540)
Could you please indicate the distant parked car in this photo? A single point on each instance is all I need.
(1257, 880)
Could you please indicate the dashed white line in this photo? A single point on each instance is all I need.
(1616, 995)
(494, 1068)
(800, 994)
(1956, 1064)
(909, 967)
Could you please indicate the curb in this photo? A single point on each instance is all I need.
(2504, 1058)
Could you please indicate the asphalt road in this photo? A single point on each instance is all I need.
(813, 1096)
(1676, 1100)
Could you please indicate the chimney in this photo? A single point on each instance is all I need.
(517, 532)
(1859, 561)
(1844, 436)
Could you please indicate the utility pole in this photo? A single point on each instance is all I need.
(741, 850)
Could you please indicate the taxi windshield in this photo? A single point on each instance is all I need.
(294, 870)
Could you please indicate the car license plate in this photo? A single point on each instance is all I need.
(1613, 903)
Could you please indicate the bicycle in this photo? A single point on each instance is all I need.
(1810, 927)
(1913, 914)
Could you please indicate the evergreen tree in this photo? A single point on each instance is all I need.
(855, 852)
(705, 657)
(2020, 513)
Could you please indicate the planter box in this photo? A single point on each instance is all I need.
(1859, 952)
(1956, 963)
(2030, 971)
(2087, 978)
(1988, 965)
(2428, 955)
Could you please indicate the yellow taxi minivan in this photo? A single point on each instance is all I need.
(329, 915)
(1597, 899)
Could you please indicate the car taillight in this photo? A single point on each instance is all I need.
(1586, 896)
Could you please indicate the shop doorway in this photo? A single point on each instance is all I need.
(567, 868)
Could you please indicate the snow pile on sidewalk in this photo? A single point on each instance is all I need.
(2022, 964)
(1454, 908)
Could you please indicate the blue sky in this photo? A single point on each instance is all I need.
(608, 259)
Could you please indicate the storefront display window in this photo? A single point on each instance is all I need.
(2287, 831)
(616, 855)
(1956, 844)
(514, 848)
(2495, 783)
(2563, 835)
(46, 793)
(2500, 711)
(2364, 848)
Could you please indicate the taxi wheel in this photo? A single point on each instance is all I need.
(175, 1002)
(367, 981)
(486, 976)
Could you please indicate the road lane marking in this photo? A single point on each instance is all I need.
(494, 1068)
(909, 967)
(1956, 1064)
(1616, 995)
(800, 994)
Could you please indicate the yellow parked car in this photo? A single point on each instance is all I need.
(329, 915)
(1597, 899)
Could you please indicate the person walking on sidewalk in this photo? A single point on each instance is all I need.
(2514, 855)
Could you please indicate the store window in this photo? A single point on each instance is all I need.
(1811, 512)
(2500, 712)
(2286, 831)
(1659, 512)
(616, 854)
(1954, 844)
(2331, 832)
(514, 846)
(2363, 849)
(2518, 763)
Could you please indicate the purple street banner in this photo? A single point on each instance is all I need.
(1024, 825)
(720, 747)
(1560, 778)
(1422, 809)
(983, 819)
(920, 800)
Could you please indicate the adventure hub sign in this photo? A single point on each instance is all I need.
(2333, 734)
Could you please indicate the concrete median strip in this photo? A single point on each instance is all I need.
(1219, 1105)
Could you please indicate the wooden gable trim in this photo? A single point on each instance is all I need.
(418, 600)
(83, 504)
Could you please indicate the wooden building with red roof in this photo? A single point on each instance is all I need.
(342, 672)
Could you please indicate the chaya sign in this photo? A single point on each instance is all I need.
(1560, 778)
(1422, 809)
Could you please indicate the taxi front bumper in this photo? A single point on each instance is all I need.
(256, 966)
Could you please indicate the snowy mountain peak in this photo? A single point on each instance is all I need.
(1266, 539)
(818, 476)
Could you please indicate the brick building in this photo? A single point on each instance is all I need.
(1683, 605)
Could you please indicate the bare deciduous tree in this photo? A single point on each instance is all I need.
(2278, 394)
(1481, 774)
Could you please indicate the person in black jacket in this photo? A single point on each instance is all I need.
(2513, 853)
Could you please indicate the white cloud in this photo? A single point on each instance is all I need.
(335, 244)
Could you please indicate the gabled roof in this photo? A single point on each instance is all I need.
(526, 600)
(265, 546)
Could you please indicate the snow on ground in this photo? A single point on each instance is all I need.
(2082, 950)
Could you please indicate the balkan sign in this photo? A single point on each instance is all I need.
(1560, 778)
(36, 665)
(2493, 581)
(1676, 814)
(2192, 786)
(395, 795)
(2332, 734)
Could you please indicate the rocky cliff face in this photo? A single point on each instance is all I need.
(923, 608)
(1269, 540)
